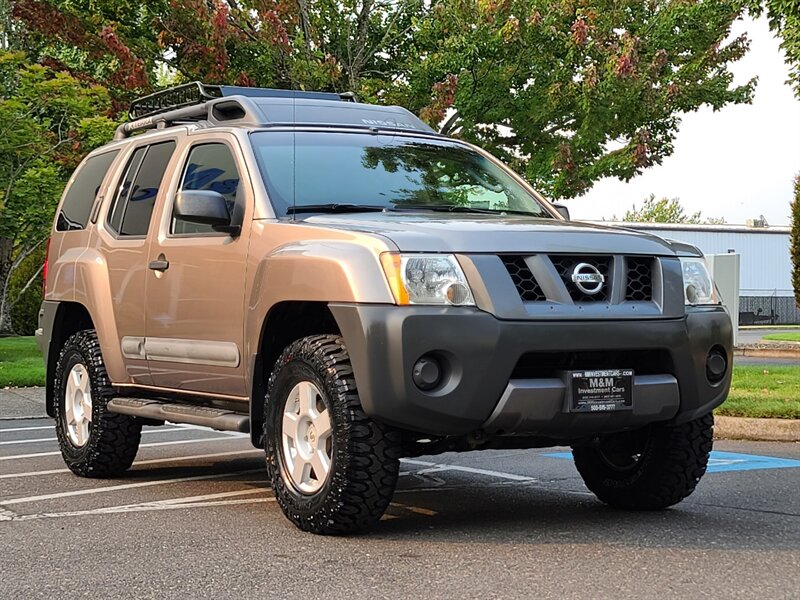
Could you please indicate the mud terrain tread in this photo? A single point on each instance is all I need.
(113, 438)
(668, 472)
(367, 459)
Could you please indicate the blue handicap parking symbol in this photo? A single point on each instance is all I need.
(721, 462)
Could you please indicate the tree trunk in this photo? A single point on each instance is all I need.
(6, 248)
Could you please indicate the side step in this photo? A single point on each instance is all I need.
(216, 418)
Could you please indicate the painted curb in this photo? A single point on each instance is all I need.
(757, 430)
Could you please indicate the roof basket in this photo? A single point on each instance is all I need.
(190, 94)
(173, 98)
(196, 101)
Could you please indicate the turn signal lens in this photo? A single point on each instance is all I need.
(392, 264)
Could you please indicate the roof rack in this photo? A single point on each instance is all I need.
(172, 98)
(194, 93)
(215, 105)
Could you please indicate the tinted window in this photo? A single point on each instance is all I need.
(209, 167)
(120, 201)
(80, 197)
(391, 171)
(138, 190)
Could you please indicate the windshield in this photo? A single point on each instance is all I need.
(390, 171)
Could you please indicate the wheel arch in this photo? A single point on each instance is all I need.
(286, 322)
(70, 318)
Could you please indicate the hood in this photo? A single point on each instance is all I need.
(465, 234)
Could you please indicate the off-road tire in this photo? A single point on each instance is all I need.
(365, 454)
(113, 438)
(673, 459)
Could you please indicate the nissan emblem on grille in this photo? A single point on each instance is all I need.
(587, 278)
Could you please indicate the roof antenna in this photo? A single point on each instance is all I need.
(294, 155)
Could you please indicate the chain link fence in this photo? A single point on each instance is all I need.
(768, 310)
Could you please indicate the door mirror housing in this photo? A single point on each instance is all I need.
(205, 207)
(562, 210)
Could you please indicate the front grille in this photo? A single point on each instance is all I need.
(640, 278)
(527, 286)
(565, 265)
(537, 365)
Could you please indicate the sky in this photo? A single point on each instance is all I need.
(737, 163)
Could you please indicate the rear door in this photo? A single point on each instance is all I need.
(122, 239)
(195, 293)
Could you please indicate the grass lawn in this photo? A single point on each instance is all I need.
(757, 391)
(783, 337)
(764, 391)
(20, 362)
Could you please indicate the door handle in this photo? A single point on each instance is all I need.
(161, 264)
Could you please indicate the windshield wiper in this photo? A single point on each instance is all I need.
(335, 208)
(469, 209)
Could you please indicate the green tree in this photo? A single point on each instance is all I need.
(48, 121)
(569, 92)
(342, 45)
(784, 19)
(566, 91)
(794, 240)
(665, 210)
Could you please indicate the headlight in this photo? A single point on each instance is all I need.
(698, 288)
(426, 279)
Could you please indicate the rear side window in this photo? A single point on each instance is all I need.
(138, 190)
(209, 167)
(77, 205)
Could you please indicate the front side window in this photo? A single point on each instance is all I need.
(394, 172)
(209, 167)
(137, 192)
(77, 205)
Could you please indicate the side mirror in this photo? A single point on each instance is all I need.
(205, 207)
(562, 210)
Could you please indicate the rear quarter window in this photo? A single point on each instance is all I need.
(78, 201)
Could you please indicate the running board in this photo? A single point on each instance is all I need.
(216, 418)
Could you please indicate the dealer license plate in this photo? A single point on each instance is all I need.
(600, 391)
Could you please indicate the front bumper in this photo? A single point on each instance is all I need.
(484, 390)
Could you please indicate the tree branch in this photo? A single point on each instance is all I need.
(25, 288)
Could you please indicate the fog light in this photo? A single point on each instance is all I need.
(716, 365)
(427, 373)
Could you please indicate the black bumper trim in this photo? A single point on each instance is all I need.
(537, 406)
(481, 352)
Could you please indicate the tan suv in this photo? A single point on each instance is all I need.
(351, 287)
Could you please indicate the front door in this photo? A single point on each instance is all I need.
(195, 288)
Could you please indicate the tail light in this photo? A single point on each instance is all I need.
(44, 268)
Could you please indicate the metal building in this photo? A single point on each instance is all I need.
(765, 291)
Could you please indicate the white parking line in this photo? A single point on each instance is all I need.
(201, 428)
(150, 445)
(126, 486)
(33, 441)
(153, 461)
(28, 428)
(205, 500)
(439, 467)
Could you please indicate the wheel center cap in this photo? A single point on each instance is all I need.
(312, 435)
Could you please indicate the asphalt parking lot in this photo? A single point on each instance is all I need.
(195, 518)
